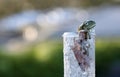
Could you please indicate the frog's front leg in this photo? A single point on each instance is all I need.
(88, 34)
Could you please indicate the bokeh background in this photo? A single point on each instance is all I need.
(31, 35)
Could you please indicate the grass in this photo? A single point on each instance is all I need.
(46, 60)
(107, 53)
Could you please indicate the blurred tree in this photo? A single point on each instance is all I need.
(12, 6)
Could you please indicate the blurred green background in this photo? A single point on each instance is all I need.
(31, 35)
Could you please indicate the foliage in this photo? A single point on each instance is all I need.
(107, 53)
(28, 65)
(8, 7)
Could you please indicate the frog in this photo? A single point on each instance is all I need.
(82, 45)
(87, 26)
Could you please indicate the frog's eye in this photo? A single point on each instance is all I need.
(86, 23)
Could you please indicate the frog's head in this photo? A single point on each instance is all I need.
(87, 25)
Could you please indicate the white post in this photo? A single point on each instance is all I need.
(79, 54)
